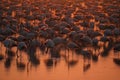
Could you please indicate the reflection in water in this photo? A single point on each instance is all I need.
(20, 65)
(8, 62)
(117, 61)
(59, 40)
(117, 53)
(86, 67)
(51, 63)
(1, 57)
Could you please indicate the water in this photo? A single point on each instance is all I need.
(104, 69)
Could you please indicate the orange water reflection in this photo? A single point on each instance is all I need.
(102, 70)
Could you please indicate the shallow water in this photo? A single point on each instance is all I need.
(104, 69)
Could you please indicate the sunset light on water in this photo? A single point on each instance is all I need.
(60, 40)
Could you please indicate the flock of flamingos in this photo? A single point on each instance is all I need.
(58, 29)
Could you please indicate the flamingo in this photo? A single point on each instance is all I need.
(49, 44)
(9, 43)
(86, 55)
(104, 39)
(92, 34)
(32, 57)
(85, 25)
(8, 31)
(34, 45)
(21, 46)
(86, 40)
(2, 38)
(55, 52)
(116, 32)
(21, 38)
(72, 34)
(64, 31)
(95, 46)
(30, 36)
(92, 25)
(108, 32)
(58, 40)
(72, 46)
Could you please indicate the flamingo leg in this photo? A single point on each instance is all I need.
(20, 56)
(68, 52)
(6, 52)
(72, 53)
(0, 47)
(118, 55)
(28, 64)
(17, 53)
(65, 50)
(47, 50)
